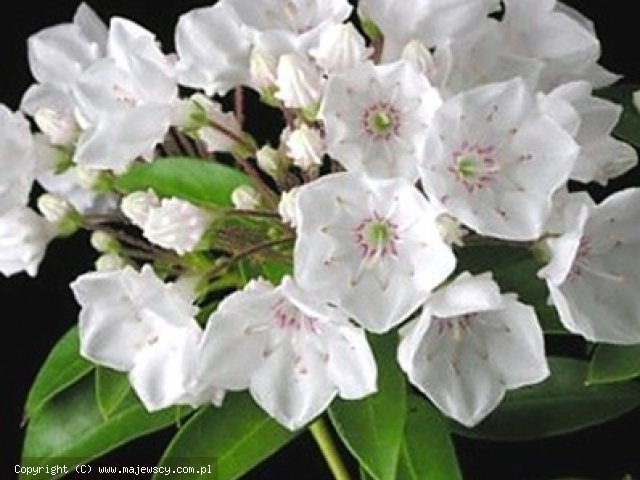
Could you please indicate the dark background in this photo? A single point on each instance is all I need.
(35, 313)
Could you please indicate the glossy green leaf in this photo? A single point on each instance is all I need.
(63, 367)
(198, 181)
(427, 450)
(111, 389)
(614, 363)
(515, 269)
(70, 429)
(372, 428)
(561, 404)
(628, 127)
(237, 436)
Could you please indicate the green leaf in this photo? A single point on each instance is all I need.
(515, 269)
(63, 367)
(628, 127)
(237, 436)
(427, 450)
(111, 389)
(71, 430)
(614, 363)
(198, 181)
(372, 428)
(561, 404)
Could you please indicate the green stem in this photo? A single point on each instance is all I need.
(323, 438)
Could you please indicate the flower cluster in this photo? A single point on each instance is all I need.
(412, 132)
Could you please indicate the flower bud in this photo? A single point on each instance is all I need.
(59, 213)
(60, 129)
(176, 224)
(287, 206)
(299, 84)
(245, 197)
(88, 178)
(340, 47)
(271, 162)
(306, 147)
(451, 231)
(110, 262)
(137, 205)
(103, 242)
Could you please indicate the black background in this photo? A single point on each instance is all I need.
(35, 313)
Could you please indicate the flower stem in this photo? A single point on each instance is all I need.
(325, 442)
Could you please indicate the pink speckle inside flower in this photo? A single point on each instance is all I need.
(474, 165)
(381, 121)
(376, 237)
(288, 316)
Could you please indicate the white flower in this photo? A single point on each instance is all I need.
(340, 47)
(593, 275)
(299, 84)
(176, 224)
(293, 352)
(377, 117)
(433, 22)
(372, 247)
(470, 345)
(58, 55)
(17, 160)
(137, 205)
(590, 120)
(493, 159)
(565, 42)
(132, 322)
(297, 20)
(125, 101)
(306, 147)
(213, 49)
(24, 237)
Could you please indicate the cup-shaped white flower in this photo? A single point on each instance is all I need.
(494, 159)
(58, 55)
(213, 49)
(377, 117)
(433, 22)
(176, 224)
(298, 20)
(133, 322)
(293, 352)
(370, 246)
(470, 345)
(125, 101)
(561, 37)
(590, 120)
(17, 160)
(24, 237)
(593, 275)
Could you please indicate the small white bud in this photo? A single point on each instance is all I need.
(103, 242)
(451, 230)
(86, 177)
(434, 67)
(245, 197)
(287, 206)
(54, 208)
(299, 83)
(110, 262)
(306, 147)
(137, 205)
(340, 47)
(271, 162)
(177, 225)
(60, 129)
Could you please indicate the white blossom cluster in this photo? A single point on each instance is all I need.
(448, 120)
